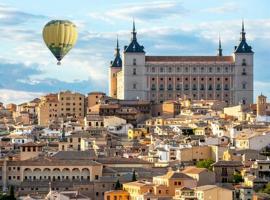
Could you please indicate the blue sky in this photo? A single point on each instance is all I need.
(171, 27)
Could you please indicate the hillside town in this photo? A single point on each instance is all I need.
(70, 146)
(169, 128)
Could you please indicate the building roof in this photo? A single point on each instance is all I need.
(194, 170)
(243, 47)
(175, 175)
(222, 163)
(117, 62)
(118, 160)
(134, 46)
(228, 59)
(75, 155)
(49, 161)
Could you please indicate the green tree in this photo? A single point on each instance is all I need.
(237, 177)
(205, 164)
(134, 177)
(266, 189)
(118, 185)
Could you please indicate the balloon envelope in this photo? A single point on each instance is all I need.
(60, 36)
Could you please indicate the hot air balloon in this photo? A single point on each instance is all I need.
(60, 36)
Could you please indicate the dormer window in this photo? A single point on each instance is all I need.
(244, 62)
(134, 61)
(134, 71)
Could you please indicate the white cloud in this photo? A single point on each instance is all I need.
(154, 10)
(14, 96)
(228, 7)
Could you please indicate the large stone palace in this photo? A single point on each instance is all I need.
(161, 78)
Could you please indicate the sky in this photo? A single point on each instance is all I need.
(166, 27)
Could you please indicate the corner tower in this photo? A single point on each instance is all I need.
(116, 66)
(243, 72)
(134, 80)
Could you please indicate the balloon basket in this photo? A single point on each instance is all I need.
(59, 63)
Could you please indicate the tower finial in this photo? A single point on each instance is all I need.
(117, 43)
(134, 28)
(133, 31)
(243, 33)
(117, 49)
(219, 46)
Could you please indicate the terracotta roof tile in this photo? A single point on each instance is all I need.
(189, 59)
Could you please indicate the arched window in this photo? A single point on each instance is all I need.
(134, 61)
(134, 71)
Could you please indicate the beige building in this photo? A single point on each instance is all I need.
(161, 187)
(202, 175)
(63, 104)
(213, 192)
(161, 78)
(93, 98)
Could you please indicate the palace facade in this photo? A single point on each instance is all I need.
(161, 78)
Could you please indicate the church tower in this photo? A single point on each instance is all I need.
(243, 71)
(116, 66)
(134, 79)
(261, 105)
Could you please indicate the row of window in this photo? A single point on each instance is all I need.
(186, 79)
(191, 69)
(69, 98)
(186, 87)
(201, 96)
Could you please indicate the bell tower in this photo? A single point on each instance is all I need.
(116, 66)
(134, 80)
(243, 71)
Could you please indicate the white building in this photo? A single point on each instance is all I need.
(161, 78)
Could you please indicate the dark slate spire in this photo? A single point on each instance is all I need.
(134, 33)
(243, 33)
(243, 47)
(219, 47)
(117, 58)
(134, 46)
